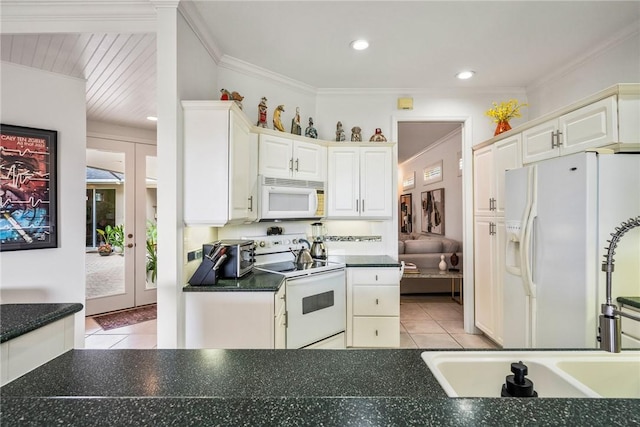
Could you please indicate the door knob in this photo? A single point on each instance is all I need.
(129, 235)
(130, 245)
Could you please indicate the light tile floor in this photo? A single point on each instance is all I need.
(426, 321)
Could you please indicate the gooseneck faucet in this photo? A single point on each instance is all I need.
(610, 331)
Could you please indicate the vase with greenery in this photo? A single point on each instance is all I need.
(152, 250)
(112, 239)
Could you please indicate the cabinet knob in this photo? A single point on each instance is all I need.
(377, 301)
(130, 245)
(297, 164)
(376, 332)
(250, 203)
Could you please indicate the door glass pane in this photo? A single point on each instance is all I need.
(151, 217)
(105, 274)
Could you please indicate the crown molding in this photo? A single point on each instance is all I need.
(619, 37)
(234, 64)
(422, 91)
(41, 16)
(194, 19)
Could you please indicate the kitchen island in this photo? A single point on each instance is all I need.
(271, 387)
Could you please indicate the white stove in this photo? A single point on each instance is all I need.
(315, 296)
(276, 254)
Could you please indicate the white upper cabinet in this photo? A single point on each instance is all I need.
(281, 157)
(359, 182)
(593, 125)
(218, 163)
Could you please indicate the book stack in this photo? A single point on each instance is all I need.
(410, 268)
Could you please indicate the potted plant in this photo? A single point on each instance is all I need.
(152, 251)
(113, 239)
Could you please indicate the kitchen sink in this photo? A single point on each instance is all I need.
(560, 374)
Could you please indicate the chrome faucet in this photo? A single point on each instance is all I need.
(610, 331)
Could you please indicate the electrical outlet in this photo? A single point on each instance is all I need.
(194, 255)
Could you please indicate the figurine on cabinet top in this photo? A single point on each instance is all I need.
(378, 136)
(277, 121)
(237, 98)
(310, 131)
(339, 132)
(224, 95)
(355, 134)
(295, 123)
(262, 113)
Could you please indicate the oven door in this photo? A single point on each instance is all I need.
(316, 307)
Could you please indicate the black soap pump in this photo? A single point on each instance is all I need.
(517, 385)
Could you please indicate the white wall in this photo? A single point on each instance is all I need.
(447, 150)
(45, 100)
(616, 61)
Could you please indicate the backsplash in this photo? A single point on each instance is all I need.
(352, 238)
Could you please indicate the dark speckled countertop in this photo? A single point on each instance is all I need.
(630, 301)
(271, 387)
(355, 261)
(252, 282)
(18, 319)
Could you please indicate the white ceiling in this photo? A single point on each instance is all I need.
(414, 44)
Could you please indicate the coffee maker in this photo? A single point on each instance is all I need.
(318, 249)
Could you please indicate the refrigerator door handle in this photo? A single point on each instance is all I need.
(525, 252)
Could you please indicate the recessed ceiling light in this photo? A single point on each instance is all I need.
(359, 44)
(152, 118)
(464, 75)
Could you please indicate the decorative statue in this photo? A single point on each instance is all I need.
(277, 121)
(310, 131)
(339, 132)
(355, 134)
(295, 123)
(237, 98)
(224, 95)
(262, 113)
(378, 136)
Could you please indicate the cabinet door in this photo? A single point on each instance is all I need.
(376, 300)
(253, 177)
(375, 182)
(309, 161)
(482, 181)
(592, 126)
(507, 155)
(275, 156)
(239, 173)
(500, 243)
(376, 331)
(343, 198)
(483, 252)
(536, 142)
(206, 160)
(280, 320)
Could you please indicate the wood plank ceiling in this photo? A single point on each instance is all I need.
(120, 69)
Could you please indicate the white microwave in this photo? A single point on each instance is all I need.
(289, 199)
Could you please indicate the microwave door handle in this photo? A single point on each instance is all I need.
(315, 202)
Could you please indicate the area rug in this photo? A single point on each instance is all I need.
(126, 317)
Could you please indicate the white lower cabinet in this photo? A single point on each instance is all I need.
(235, 319)
(28, 351)
(373, 307)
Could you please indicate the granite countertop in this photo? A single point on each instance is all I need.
(255, 281)
(365, 260)
(18, 319)
(271, 387)
(630, 301)
(270, 282)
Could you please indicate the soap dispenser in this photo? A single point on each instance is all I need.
(517, 385)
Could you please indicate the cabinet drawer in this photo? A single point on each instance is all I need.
(376, 300)
(375, 276)
(376, 331)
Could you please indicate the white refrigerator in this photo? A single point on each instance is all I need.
(559, 214)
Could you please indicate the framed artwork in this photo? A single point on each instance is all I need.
(28, 193)
(433, 211)
(406, 213)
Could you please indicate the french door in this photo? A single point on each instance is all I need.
(121, 193)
